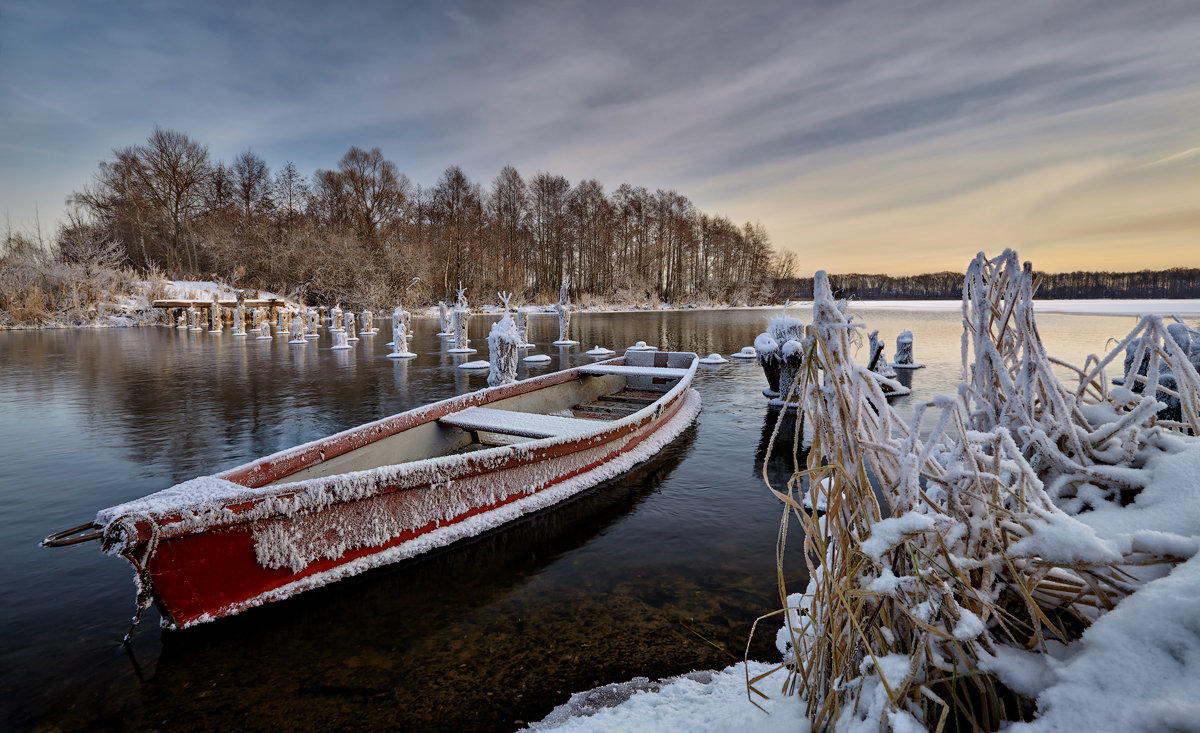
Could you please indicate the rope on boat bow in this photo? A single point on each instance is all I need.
(117, 540)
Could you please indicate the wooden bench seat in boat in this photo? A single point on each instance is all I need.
(508, 422)
(634, 371)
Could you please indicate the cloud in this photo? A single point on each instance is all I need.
(857, 119)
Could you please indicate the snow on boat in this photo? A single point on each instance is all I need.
(394, 488)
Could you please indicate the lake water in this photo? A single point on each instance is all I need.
(656, 573)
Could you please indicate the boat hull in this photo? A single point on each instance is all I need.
(219, 571)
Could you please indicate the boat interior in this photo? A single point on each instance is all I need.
(603, 392)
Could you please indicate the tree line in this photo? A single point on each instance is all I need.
(1175, 282)
(362, 233)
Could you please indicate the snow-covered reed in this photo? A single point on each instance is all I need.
(973, 554)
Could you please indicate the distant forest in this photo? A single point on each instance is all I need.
(363, 235)
(1173, 283)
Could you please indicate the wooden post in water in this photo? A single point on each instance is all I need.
(239, 314)
(214, 315)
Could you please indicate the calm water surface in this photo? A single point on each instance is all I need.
(656, 573)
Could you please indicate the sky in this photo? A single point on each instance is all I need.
(873, 136)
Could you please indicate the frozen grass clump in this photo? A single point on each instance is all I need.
(973, 556)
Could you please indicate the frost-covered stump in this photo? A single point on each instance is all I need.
(445, 325)
(214, 315)
(282, 324)
(320, 320)
(400, 317)
(239, 315)
(564, 315)
(349, 326)
(298, 328)
(523, 328)
(183, 318)
(194, 319)
(904, 352)
(399, 338)
(368, 323)
(314, 322)
(339, 341)
(780, 364)
(504, 341)
(336, 318)
(264, 331)
(876, 361)
(462, 315)
(461, 339)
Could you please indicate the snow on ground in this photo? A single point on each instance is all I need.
(1136, 669)
(699, 701)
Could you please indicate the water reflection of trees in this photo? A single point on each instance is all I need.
(421, 642)
(184, 403)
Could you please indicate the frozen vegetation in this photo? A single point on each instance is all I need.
(1032, 565)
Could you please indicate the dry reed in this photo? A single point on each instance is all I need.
(902, 615)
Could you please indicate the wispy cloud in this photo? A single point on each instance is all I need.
(876, 125)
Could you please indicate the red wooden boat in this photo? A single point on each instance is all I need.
(394, 488)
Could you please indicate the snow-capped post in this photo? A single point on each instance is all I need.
(462, 315)
(444, 322)
(368, 321)
(523, 328)
(904, 352)
(564, 315)
(348, 324)
(314, 322)
(400, 336)
(214, 315)
(264, 330)
(340, 341)
(320, 320)
(281, 322)
(503, 343)
(876, 361)
(335, 317)
(183, 318)
(298, 329)
(779, 353)
(239, 314)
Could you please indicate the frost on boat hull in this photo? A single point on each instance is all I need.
(397, 487)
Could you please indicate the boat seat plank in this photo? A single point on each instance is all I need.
(634, 371)
(508, 422)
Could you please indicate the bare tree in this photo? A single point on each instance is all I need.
(252, 183)
(376, 191)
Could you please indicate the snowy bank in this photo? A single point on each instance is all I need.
(1036, 556)
(699, 701)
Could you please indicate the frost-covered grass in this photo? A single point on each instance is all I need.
(39, 291)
